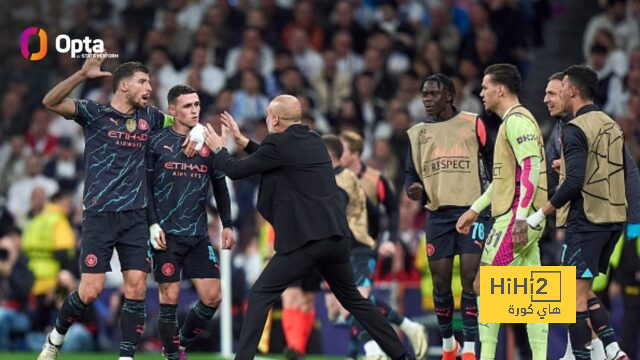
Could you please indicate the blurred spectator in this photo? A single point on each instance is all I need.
(479, 20)
(486, 49)
(276, 18)
(101, 94)
(13, 155)
(15, 284)
(399, 140)
(442, 31)
(65, 167)
(349, 62)
(411, 12)
(409, 95)
(303, 18)
(247, 60)
(211, 77)
(331, 85)
(387, 21)
(306, 58)
(49, 243)
(510, 31)
(432, 54)
(343, 19)
(214, 35)
(372, 109)
(465, 100)
(318, 121)
(384, 159)
(12, 119)
(36, 205)
(618, 97)
(38, 137)
(292, 82)
(374, 62)
(19, 195)
(170, 32)
(252, 40)
(249, 103)
(614, 18)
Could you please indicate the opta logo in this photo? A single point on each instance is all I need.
(167, 269)
(143, 124)
(79, 48)
(24, 43)
(91, 260)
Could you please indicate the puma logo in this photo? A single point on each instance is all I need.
(170, 148)
(113, 121)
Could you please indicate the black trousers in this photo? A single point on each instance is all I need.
(331, 258)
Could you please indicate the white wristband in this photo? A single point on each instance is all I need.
(536, 218)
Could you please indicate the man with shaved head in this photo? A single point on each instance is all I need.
(298, 195)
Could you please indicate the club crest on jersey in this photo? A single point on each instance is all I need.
(205, 151)
(143, 124)
(131, 125)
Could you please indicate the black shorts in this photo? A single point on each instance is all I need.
(363, 263)
(590, 252)
(444, 241)
(127, 231)
(195, 256)
(311, 282)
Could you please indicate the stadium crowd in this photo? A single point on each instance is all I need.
(354, 65)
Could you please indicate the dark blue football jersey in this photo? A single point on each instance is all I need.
(180, 184)
(114, 155)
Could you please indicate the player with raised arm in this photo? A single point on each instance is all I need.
(115, 195)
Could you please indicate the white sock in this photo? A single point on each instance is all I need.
(372, 348)
(612, 349)
(597, 349)
(407, 325)
(568, 354)
(125, 358)
(469, 347)
(55, 337)
(449, 344)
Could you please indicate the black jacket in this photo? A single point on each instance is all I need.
(298, 194)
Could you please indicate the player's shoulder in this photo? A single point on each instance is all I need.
(158, 135)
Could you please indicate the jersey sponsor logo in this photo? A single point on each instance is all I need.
(205, 151)
(91, 260)
(430, 249)
(126, 139)
(180, 166)
(170, 148)
(143, 124)
(525, 138)
(168, 269)
(131, 125)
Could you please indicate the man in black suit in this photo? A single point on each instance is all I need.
(298, 195)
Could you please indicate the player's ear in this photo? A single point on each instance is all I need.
(172, 110)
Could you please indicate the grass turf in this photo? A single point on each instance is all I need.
(143, 356)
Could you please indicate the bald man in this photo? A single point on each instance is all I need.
(298, 195)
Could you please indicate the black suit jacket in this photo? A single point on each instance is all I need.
(298, 194)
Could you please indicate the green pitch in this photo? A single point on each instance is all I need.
(142, 356)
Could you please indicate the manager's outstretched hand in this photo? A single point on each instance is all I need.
(228, 122)
(212, 139)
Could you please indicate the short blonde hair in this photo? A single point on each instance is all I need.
(354, 141)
